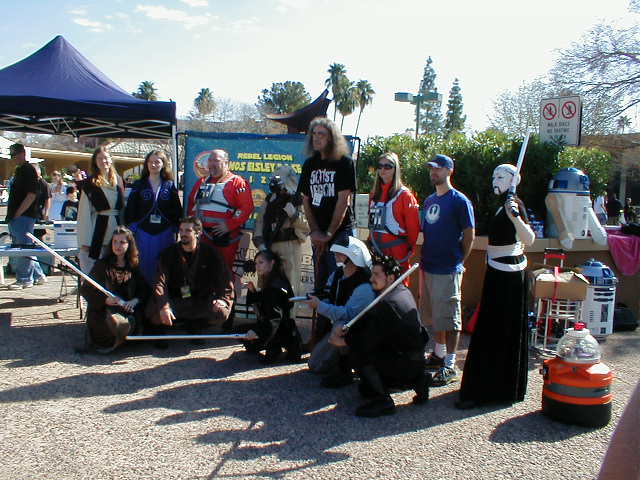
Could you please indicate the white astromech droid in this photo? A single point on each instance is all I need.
(569, 211)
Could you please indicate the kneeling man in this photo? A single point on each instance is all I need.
(193, 284)
(387, 344)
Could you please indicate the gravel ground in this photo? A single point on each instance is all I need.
(214, 412)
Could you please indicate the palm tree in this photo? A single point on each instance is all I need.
(347, 99)
(337, 72)
(146, 91)
(623, 122)
(204, 102)
(364, 95)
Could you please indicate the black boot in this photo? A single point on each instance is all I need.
(341, 376)
(421, 387)
(381, 402)
(294, 347)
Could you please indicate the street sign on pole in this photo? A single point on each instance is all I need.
(561, 120)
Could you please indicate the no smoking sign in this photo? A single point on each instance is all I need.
(560, 120)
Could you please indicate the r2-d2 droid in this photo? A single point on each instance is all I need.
(570, 214)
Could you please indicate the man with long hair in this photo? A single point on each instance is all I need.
(327, 184)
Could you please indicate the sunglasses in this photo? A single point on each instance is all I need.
(386, 166)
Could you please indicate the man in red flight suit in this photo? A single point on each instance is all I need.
(222, 201)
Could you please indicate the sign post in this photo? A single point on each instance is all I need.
(561, 120)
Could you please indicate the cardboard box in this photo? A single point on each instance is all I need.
(567, 284)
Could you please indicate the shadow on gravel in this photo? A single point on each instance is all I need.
(287, 415)
(11, 303)
(535, 427)
(107, 384)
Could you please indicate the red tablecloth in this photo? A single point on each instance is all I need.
(625, 250)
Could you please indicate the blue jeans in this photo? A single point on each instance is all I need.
(18, 228)
(325, 264)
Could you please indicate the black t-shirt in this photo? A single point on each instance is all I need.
(42, 196)
(321, 180)
(613, 208)
(69, 210)
(24, 181)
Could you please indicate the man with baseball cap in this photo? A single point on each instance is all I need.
(21, 213)
(448, 231)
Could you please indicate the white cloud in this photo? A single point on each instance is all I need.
(94, 26)
(245, 25)
(79, 11)
(283, 6)
(158, 12)
(196, 3)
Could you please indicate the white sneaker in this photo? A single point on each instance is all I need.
(20, 285)
(40, 280)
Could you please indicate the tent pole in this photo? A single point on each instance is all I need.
(174, 159)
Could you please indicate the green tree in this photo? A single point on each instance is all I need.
(430, 113)
(204, 103)
(283, 97)
(364, 95)
(454, 120)
(336, 82)
(146, 91)
(347, 100)
(514, 111)
(622, 123)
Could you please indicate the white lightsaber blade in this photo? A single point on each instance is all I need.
(523, 149)
(71, 266)
(514, 181)
(234, 336)
(381, 296)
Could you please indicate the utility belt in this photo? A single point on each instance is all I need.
(223, 240)
(109, 213)
(379, 245)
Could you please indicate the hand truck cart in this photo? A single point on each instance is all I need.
(553, 315)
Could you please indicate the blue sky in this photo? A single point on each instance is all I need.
(237, 48)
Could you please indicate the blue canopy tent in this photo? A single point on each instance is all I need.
(58, 91)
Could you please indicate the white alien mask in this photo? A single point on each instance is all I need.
(502, 177)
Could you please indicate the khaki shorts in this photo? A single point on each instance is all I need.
(440, 301)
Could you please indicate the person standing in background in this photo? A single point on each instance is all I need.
(21, 213)
(327, 183)
(58, 192)
(394, 221)
(153, 211)
(100, 209)
(448, 229)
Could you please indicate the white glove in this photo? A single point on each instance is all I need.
(289, 209)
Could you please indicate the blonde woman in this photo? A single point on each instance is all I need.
(100, 208)
(394, 221)
(58, 191)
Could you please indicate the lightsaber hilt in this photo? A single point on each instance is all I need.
(380, 297)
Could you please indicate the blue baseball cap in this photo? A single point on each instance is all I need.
(441, 161)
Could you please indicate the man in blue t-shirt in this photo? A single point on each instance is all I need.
(448, 231)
